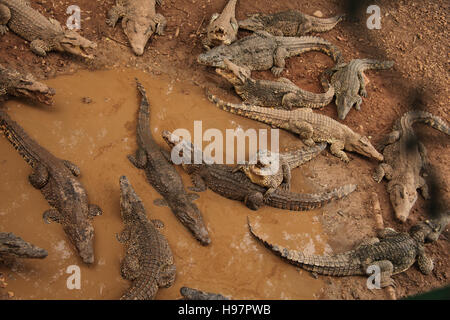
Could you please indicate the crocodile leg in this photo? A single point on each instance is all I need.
(198, 182)
(387, 232)
(140, 159)
(386, 269)
(165, 275)
(39, 47)
(362, 83)
(383, 170)
(129, 268)
(358, 101)
(389, 139)
(279, 61)
(423, 187)
(51, 215)
(39, 177)
(72, 167)
(254, 200)
(94, 210)
(337, 149)
(290, 100)
(305, 131)
(114, 14)
(425, 263)
(286, 184)
(5, 15)
(160, 22)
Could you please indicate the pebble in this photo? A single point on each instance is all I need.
(86, 100)
(318, 14)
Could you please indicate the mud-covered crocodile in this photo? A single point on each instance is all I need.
(222, 28)
(14, 83)
(263, 51)
(44, 34)
(348, 82)
(235, 185)
(148, 261)
(195, 294)
(56, 179)
(139, 21)
(163, 177)
(282, 93)
(404, 159)
(311, 127)
(391, 253)
(273, 170)
(14, 246)
(290, 23)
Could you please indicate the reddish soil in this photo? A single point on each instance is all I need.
(414, 34)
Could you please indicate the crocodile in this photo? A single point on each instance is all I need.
(163, 177)
(56, 179)
(311, 127)
(14, 246)
(44, 34)
(222, 28)
(195, 294)
(235, 185)
(391, 252)
(290, 23)
(139, 21)
(273, 170)
(282, 93)
(404, 159)
(263, 51)
(14, 83)
(148, 261)
(348, 82)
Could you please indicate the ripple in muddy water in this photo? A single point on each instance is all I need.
(98, 136)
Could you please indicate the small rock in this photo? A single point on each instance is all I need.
(318, 14)
(10, 294)
(86, 100)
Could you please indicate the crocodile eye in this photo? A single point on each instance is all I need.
(364, 141)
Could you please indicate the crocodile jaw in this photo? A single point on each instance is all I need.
(75, 44)
(138, 33)
(42, 95)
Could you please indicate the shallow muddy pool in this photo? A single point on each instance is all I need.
(98, 136)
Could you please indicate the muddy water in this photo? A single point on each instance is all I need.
(97, 137)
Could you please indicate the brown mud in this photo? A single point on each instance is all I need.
(414, 34)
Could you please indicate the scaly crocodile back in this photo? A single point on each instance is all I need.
(298, 157)
(344, 264)
(29, 23)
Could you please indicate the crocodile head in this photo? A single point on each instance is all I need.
(361, 144)
(75, 44)
(131, 207)
(29, 88)
(403, 198)
(12, 245)
(221, 32)
(182, 151)
(235, 74)
(430, 230)
(81, 233)
(344, 104)
(213, 57)
(138, 32)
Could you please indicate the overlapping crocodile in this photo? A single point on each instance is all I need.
(56, 179)
(14, 83)
(163, 177)
(404, 159)
(139, 21)
(148, 260)
(392, 252)
(195, 294)
(263, 51)
(235, 185)
(289, 23)
(282, 93)
(348, 82)
(44, 34)
(311, 127)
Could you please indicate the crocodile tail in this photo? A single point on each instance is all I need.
(376, 64)
(308, 201)
(298, 157)
(337, 265)
(324, 24)
(418, 116)
(299, 45)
